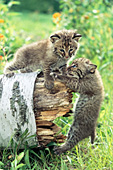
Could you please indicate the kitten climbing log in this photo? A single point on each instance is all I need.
(26, 104)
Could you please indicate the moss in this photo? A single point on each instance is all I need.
(17, 101)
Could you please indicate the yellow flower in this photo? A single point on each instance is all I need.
(1, 57)
(109, 29)
(86, 16)
(1, 36)
(1, 21)
(106, 14)
(93, 38)
(101, 31)
(71, 10)
(56, 15)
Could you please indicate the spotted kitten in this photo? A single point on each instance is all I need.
(47, 55)
(84, 78)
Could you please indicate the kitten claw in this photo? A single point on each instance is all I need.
(54, 75)
(9, 75)
(57, 150)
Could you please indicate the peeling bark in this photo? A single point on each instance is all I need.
(48, 105)
(26, 104)
(16, 107)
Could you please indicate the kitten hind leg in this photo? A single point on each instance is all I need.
(74, 136)
(67, 146)
(61, 149)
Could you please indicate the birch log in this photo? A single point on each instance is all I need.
(26, 103)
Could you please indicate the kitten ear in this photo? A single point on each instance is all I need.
(92, 68)
(76, 37)
(54, 38)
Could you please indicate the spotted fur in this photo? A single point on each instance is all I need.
(84, 78)
(46, 55)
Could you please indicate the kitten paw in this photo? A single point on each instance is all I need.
(61, 149)
(9, 75)
(54, 75)
(49, 84)
(57, 150)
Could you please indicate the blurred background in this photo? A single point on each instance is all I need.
(26, 21)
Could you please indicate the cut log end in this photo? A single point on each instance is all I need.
(48, 105)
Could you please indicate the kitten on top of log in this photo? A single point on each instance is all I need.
(47, 55)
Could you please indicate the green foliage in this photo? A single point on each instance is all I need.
(9, 39)
(15, 164)
(13, 30)
(29, 158)
(93, 19)
(40, 6)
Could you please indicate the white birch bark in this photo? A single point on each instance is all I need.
(16, 107)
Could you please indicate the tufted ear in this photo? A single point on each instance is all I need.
(54, 38)
(76, 36)
(92, 68)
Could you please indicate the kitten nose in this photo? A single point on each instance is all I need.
(66, 57)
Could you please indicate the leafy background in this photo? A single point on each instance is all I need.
(22, 22)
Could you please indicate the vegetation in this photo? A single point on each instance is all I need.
(94, 21)
(39, 6)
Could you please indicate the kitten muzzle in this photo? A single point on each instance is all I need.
(66, 57)
(62, 66)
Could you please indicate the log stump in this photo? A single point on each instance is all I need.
(26, 104)
(48, 105)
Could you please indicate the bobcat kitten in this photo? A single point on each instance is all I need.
(84, 78)
(47, 55)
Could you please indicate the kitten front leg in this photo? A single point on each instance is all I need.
(63, 70)
(70, 82)
(8, 70)
(13, 66)
(49, 81)
(26, 70)
(11, 74)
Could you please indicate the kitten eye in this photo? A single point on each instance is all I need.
(71, 49)
(75, 65)
(87, 62)
(62, 50)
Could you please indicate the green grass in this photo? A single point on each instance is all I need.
(84, 156)
(35, 25)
